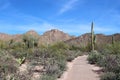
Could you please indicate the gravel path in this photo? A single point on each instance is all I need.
(79, 69)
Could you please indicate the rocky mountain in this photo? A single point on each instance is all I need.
(48, 37)
(80, 41)
(17, 37)
(33, 33)
(84, 39)
(54, 35)
(5, 37)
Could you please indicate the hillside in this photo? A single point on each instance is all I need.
(48, 37)
(84, 39)
(5, 37)
(23, 59)
(55, 35)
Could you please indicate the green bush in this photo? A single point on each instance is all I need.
(70, 55)
(47, 77)
(74, 47)
(108, 59)
(94, 57)
(19, 53)
(53, 58)
(30, 41)
(113, 48)
(111, 63)
(54, 61)
(51, 67)
(7, 64)
(3, 44)
(17, 45)
(118, 76)
(56, 64)
(109, 76)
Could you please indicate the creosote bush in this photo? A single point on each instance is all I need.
(94, 57)
(109, 60)
(7, 65)
(113, 48)
(47, 77)
(52, 58)
(109, 76)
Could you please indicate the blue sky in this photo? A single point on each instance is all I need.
(71, 16)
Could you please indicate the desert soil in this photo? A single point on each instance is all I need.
(79, 69)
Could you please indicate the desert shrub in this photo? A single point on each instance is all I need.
(118, 76)
(108, 59)
(74, 47)
(17, 45)
(18, 76)
(62, 66)
(7, 64)
(56, 63)
(33, 53)
(100, 47)
(59, 45)
(85, 48)
(94, 57)
(78, 53)
(60, 60)
(47, 77)
(52, 68)
(19, 53)
(111, 57)
(30, 41)
(70, 55)
(53, 58)
(111, 63)
(113, 48)
(3, 44)
(109, 76)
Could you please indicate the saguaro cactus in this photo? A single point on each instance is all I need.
(113, 41)
(92, 37)
(30, 41)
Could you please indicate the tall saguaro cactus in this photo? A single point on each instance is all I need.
(92, 37)
(113, 41)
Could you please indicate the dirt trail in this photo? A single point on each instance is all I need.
(79, 69)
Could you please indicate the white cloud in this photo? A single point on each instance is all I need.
(81, 29)
(73, 29)
(103, 29)
(69, 5)
(37, 27)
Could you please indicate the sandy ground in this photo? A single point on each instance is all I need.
(79, 69)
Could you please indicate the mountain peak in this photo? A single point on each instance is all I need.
(55, 30)
(5, 37)
(55, 35)
(32, 32)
